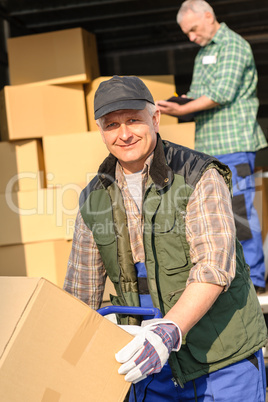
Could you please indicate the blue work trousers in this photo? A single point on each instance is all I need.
(246, 217)
(244, 381)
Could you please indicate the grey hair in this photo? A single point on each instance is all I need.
(196, 6)
(151, 108)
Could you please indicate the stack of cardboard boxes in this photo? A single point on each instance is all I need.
(52, 346)
(50, 147)
(45, 99)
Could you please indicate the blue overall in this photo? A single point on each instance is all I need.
(242, 381)
(246, 217)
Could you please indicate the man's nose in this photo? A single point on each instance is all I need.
(192, 36)
(125, 133)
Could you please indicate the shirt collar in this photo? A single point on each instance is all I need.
(220, 34)
(119, 176)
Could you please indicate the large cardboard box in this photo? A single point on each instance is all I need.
(47, 259)
(36, 111)
(86, 151)
(179, 133)
(21, 166)
(160, 86)
(55, 348)
(34, 216)
(66, 56)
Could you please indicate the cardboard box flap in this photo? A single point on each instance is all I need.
(16, 293)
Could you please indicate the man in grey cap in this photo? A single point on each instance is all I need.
(157, 219)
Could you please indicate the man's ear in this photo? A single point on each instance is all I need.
(156, 120)
(209, 17)
(101, 131)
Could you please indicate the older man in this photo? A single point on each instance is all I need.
(157, 219)
(225, 106)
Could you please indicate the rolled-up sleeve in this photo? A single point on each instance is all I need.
(86, 276)
(210, 232)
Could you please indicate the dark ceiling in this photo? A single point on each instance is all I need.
(141, 37)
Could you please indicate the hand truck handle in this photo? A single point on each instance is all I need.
(153, 311)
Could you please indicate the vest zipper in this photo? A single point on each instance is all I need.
(177, 382)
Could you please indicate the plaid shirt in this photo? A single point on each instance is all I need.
(210, 231)
(225, 72)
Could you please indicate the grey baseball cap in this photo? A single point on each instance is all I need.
(128, 92)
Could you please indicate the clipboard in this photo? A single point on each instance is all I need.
(182, 101)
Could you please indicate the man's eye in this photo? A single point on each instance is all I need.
(110, 125)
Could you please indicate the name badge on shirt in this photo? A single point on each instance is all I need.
(209, 59)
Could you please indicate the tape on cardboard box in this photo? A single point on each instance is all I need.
(80, 341)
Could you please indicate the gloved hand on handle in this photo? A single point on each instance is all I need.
(148, 352)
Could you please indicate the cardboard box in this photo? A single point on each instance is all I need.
(160, 86)
(54, 348)
(34, 216)
(21, 166)
(180, 133)
(109, 289)
(60, 57)
(86, 151)
(36, 111)
(46, 259)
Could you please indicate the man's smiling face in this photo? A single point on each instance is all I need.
(130, 135)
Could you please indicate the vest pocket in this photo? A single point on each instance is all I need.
(171, 255)
(169, 248)
(108, 249)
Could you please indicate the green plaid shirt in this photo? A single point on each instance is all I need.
(225, 72)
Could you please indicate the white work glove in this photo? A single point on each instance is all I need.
(131, 329)
(148, 352)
